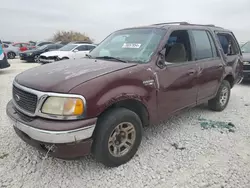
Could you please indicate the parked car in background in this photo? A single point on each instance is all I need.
(80, 42)
(22, 46)
(3, 59)
(41, 43)
(33, 55)
(11, 51)
(100, 104)
(69, 51)
(7, 42)
(245, 48)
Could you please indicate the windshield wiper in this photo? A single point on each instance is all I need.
(110, 57)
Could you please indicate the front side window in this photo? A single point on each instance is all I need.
(136, 45)
(203, 47)
(245, 48)
(178, 49)
(82, 48)
(68, 47)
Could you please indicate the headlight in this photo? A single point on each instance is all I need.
(29, 54)
(245, 63)
(64, 106)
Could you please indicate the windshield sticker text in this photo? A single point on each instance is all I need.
(131, 45)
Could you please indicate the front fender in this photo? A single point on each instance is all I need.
(122, 93)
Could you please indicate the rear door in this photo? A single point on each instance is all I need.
(210, 64)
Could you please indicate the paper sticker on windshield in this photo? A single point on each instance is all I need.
(131, 45)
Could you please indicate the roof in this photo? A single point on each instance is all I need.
(183, 25)
(80, 44)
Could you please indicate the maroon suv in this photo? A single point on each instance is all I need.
(136, 77)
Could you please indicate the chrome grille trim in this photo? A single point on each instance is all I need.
(41, 97)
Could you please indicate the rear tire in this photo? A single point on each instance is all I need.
(117, 137)
(11, 55)
(220, 101)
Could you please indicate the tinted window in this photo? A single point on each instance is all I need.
(68, 47)
(228, 44)
(90, 47)
(215, 53)
(202, 45)
(58, 46)
(82, 48)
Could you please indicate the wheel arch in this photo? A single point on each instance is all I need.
(131, 104)
(230, 79)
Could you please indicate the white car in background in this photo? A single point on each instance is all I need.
(69, 51)
(10, 51)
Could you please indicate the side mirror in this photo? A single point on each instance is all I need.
(75, 50)
(243, 51)
(161, 59)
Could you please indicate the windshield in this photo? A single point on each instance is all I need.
(245, 48)
(42, 47)
(68, 47)
(136, 45)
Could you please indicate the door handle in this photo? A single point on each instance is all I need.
(220, 66)
(191, 72)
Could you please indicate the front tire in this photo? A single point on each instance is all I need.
(36, 59)
(220, 102)
(117, 137)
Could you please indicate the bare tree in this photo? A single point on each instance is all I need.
(69, 36)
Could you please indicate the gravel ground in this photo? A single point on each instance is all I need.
(178, 153)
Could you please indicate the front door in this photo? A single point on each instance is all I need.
(178, 80)
(82, 51)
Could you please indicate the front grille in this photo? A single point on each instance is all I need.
(49, 57)
(246, 67)
(26, 101)
(24, 117)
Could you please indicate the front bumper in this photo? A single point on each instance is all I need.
(67, 143)
(45, 61)
(26, 57)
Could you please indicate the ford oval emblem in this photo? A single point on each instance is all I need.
(17, 97)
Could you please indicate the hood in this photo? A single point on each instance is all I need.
(55, 53)
(246, 56)
(62, 76)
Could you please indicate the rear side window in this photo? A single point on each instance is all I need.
(90, 47)
(82, 48)
(228, 44)
(203, 46)
(52, 46)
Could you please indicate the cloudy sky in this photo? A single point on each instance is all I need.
(23, 20)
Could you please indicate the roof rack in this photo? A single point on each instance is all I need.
(172, 23)
(185, 23)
